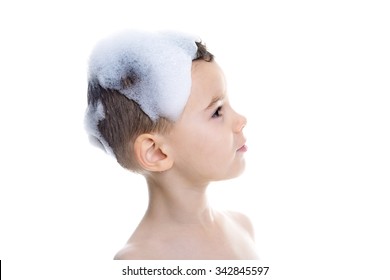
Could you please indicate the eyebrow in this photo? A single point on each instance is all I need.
(215, 100)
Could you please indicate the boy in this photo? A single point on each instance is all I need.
(158, 103)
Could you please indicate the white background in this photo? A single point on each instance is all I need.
(312, 77)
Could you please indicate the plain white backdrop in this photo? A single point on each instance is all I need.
(312, 78)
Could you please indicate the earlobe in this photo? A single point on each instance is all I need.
(150, 154)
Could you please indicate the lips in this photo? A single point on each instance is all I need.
(243, 149)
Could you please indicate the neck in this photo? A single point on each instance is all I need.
(179, 202)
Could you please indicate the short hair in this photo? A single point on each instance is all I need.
(124, 119)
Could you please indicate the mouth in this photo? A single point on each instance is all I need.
(243, 149)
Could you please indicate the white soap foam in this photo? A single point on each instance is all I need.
(93, 116)
(156, 64)
(159, 64)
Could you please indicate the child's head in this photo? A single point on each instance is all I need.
(138, 83)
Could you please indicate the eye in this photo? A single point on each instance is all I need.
(217, 112)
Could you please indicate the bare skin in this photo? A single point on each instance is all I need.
(187, 228)
(206, 144)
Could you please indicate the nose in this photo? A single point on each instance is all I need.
(240, 123)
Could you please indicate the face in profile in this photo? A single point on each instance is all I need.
(207, 141)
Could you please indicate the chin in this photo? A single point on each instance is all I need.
(237, 172)
(241, 168)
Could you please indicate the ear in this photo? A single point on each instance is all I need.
(150, 154)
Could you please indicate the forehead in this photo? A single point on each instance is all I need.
(208, 83)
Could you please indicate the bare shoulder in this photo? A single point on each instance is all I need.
(133, 251)
(129, 252)
(242, 220)
(141, 251)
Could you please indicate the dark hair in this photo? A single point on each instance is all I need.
(203, 53)
(124, 120)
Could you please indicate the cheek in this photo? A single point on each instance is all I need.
(205, 143)
(216, 147)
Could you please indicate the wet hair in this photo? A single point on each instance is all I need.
(124, 120)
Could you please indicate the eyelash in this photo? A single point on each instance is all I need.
(217, 113)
